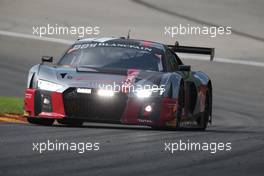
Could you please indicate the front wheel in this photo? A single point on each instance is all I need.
(40, 121)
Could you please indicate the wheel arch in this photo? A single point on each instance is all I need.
(172, 83)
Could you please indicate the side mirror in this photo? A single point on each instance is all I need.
(184, 68)
(47, 59)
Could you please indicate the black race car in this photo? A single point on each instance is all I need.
(119, 80)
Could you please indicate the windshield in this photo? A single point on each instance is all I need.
(112, 57)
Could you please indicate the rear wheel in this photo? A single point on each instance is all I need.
(40, 121)
(180, 106)
(204, 118)
(70, 122)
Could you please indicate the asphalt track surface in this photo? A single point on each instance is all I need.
(127, 150)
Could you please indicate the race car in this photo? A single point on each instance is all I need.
(123, 81)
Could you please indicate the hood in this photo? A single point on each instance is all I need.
(98, 77)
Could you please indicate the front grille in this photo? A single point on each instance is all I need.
(91, 106)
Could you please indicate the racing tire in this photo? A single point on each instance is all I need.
(40, 121)
(180, 106)
(204, 118)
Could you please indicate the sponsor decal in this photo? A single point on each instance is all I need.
(188, 124)
(105, 44)
(144, 120)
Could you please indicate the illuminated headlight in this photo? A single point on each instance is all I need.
(105, 93)
(148, 108)
(84, 90)
(143, 93)
(49, 86)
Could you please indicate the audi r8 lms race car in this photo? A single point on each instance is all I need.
(120, 80)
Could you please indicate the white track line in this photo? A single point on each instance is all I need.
(33, 37)
(193, 57)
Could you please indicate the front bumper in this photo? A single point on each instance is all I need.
(119, 109)
(44, 104)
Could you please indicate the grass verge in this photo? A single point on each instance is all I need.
(11, 105)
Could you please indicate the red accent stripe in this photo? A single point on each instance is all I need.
(168, 107)
(29, 104)
(57, 103)
(129, 79)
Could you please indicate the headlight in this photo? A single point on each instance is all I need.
(105, 93)
(49, 86)
(143, 93)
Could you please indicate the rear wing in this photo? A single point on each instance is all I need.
(192, 50)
